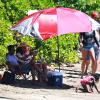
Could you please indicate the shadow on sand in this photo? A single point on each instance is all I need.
(6, 98)
(37, 85)
(29, 84)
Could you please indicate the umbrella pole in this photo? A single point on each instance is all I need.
(58, 52)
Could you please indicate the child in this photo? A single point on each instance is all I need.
(89, 81)
(42, 70)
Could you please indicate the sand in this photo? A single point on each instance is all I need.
(26, 90)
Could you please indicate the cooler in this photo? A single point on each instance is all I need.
(55, 78)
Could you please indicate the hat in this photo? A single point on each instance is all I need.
(95, 14)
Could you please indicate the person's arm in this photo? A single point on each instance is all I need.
(19, 56)
(96, 88)
(90, 88)
(97, 42)
(80, 39)
(19, 59)
(9, 65)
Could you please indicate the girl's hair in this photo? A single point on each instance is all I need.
(96, 76)
(19, 50)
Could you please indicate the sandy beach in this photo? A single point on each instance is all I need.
(26, 90)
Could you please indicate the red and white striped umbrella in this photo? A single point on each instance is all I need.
(47, 23)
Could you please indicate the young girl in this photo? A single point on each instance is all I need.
(89, 81)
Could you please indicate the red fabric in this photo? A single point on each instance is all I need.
(86, 80)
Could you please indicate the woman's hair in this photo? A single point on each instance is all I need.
(19, 50)
(93, 80)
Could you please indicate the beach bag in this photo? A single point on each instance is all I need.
(8, 78)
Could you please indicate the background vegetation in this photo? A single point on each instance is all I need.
(14, 10)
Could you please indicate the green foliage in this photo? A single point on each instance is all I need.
(14, 10)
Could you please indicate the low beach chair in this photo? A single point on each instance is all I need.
(20, 74)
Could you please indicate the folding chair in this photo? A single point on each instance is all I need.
(20, 74)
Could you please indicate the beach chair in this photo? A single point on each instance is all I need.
(23, 74)
(20, 74)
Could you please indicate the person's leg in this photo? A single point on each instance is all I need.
(84, 53)
(40, 72)
(96, 88)
(98, 59)
(96, 50)
(44, 66)
(85, 88)
(87, 64)
(16, 69)
(94, 62)
(90, 88)
(33, 70)
(25, 69)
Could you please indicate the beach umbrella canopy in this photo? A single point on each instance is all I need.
(95, 24)
(47, 23)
